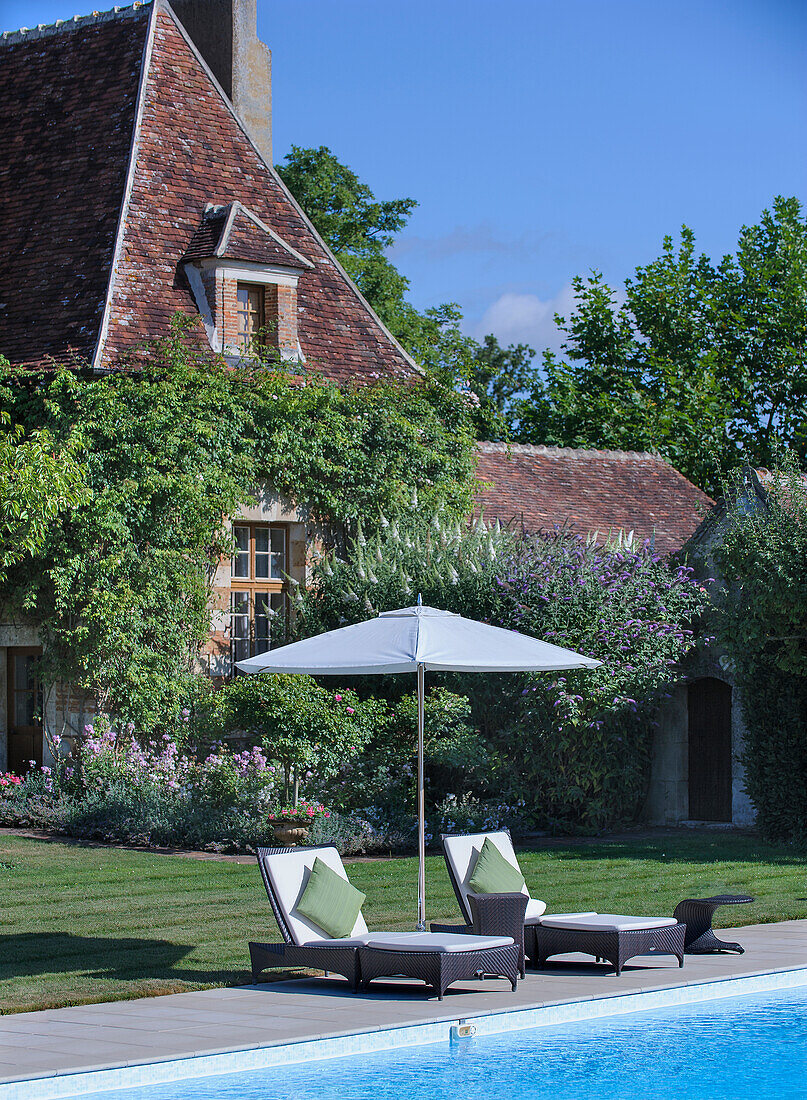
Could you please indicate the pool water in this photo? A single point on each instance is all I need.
(731, 1049)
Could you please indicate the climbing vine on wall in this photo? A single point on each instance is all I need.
(761, 621)
(120, 585)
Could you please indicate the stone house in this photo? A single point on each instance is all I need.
(137, 181)
(697, 769)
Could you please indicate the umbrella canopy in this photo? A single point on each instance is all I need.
(399, 641)
(417, 639)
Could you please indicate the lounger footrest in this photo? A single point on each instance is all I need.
(615, 938)
(440, 960)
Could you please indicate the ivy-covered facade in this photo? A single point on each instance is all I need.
(184, 216)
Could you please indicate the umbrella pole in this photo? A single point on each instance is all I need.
(421, 927)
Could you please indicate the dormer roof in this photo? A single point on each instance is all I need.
(232, 232)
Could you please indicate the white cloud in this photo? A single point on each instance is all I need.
(527, 319)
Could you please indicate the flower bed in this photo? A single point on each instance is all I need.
(119, 789)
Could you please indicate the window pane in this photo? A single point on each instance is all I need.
(250, 314)
(261, 551)
(239, 624)
(24, 670)
(24, 708)
(262, 617)
(24, 687)
(239, 566)
(278, 553)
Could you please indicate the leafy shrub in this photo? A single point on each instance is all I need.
(355, 835)
(381, 782)
(574, 748)
(311, 730)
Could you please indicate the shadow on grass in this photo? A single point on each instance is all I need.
(28, 954)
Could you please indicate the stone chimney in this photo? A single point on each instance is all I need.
(226, 34)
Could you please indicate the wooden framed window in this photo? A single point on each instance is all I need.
(258, 587)
(251, 316)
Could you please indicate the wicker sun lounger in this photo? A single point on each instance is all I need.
(488, 914)
(614, 937)
(438, 960)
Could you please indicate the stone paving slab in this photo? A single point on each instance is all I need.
(87, 1037)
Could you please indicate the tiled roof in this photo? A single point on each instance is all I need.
(537, 488)
(206, 239)
(67, 108)
(235, 233)
(68, 117)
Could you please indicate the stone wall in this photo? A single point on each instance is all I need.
(668, 791)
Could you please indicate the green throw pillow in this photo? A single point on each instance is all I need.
(493, 874)
(330, 902)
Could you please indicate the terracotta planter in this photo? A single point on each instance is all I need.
(289, 832)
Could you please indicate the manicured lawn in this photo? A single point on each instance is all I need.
(91, 924)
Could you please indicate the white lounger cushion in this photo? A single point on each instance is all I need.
(547, 918)
(368, 938)
(462, 852)
(607, 922)
(288, 873)
(440, 942)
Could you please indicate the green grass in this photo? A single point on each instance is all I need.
(81, 924)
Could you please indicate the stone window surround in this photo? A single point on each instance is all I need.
(214, 277)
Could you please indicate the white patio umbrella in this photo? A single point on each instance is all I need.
(417, 639)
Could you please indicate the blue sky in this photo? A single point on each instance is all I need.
(541, 138)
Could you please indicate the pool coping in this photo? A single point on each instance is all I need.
(155, 1070)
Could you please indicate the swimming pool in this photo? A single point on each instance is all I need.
(736, 1048)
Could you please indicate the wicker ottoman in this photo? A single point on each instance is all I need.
(609, 936)
(440, 960)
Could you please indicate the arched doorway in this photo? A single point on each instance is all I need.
(709, 706)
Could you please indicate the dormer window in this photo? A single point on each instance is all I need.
(244, 279)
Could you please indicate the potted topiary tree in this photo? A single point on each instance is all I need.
(308, 729)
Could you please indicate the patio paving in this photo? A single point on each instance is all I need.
(121, 1033)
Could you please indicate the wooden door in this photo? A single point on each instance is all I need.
(709, 704)
(24, 708)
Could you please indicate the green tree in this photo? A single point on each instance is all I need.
(499, 379)
(359, 228)
(311, 730)
(701, 363)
